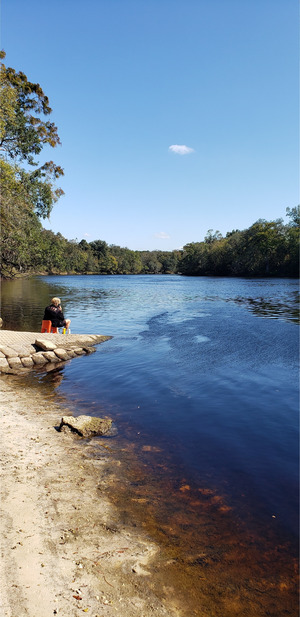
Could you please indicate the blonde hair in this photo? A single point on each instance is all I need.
(55, 301)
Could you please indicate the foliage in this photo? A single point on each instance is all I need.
(19, 224)
(267, 248)
(294, 215)
(24, 132)
(28, 192)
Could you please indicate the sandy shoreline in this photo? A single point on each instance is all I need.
(64, 550)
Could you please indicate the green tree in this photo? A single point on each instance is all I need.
(18, 223)
(264, 247)
(291, 261)
(99, 248)
(212, 236)
(294, 215)
(150, 262)
(24, 132)
(169, 262)
(190, 263)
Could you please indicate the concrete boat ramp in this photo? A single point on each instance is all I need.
(23, 351)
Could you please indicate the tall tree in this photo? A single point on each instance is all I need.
(294, 216)
(24, 131)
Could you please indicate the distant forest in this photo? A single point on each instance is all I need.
(265, 249)
(28, 192)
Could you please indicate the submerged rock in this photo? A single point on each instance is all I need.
(87, 426)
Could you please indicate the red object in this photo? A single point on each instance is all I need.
(47, 327)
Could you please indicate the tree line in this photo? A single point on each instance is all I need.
(29, 191)
(267, 248)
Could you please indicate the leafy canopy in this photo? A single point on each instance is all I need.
(24, 131)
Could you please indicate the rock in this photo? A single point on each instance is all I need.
(14, 362)
(62, 354)
(45, 344)
(3, 364)
(38, 358)
(31, 349)
(21, 350)
(89, 350)
(8, 351)
(9, 370)
(87, 426)
(27, 362)
(50, 356)
(79, 351)
(71, 353)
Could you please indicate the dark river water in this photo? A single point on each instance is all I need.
(201, 378)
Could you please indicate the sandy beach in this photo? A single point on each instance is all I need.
(63, 548)
(80, 532)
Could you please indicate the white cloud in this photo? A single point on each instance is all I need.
(86, 235)
(162, 235)
(181, 149)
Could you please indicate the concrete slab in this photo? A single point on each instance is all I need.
(10, 338)
(15, 346)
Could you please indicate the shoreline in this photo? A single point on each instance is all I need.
(83, 531)
(21, 351)
(64, 549)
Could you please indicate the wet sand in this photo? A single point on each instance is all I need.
(221, 562)
(103, 527)
(64, 550)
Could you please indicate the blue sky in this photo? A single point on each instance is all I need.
(127, 79)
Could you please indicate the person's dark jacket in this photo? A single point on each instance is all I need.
(56, 316)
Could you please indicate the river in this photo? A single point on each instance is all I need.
(201, 379)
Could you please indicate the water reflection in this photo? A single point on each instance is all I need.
(56, 374)
(23, 300)
(204, 394)
(273, 308)
(86, 298)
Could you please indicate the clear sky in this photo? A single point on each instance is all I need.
(128, 80)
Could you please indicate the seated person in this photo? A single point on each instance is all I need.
(55, 314)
